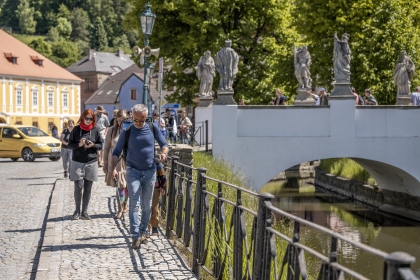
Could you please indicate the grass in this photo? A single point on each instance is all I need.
(347, 168)
(27, 38)
(216, 235)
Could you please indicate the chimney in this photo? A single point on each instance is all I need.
(91, 53)
(120, 53)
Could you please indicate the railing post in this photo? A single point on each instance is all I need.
(180, 202)
(170, 214)
(237, 241)
(207, 135)
(188, 204)
(218, 251)
(199, 223)
(395, 261)
(293, 271)
(261, 236)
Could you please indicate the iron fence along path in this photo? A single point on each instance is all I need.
(231, 233)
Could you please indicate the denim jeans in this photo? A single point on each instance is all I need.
(140, 181)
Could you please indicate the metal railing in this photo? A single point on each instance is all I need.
(200, 132)
(214, 230)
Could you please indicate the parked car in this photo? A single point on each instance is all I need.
(27, 142)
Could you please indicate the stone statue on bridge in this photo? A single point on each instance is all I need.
(302, 63)
(403, 74)
(205, 73)
(342, 58)
(227, 65)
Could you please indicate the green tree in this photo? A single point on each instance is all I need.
(98, 35)
(379, 30)
(53, 35)
(81, 24)
(25, 14)
(41, 46)
(260, 31)
(64, 53)
(122, 43)
(64, 12)
(64, 27)
(8, 16)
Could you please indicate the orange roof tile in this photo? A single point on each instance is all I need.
(25, 66)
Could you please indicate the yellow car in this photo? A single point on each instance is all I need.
(27, 142)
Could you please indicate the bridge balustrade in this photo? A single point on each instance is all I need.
(231, 233)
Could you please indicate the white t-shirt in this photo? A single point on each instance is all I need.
(175, 127)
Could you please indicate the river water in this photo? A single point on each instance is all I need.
(355, 221)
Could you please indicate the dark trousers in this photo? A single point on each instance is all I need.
(85, 187)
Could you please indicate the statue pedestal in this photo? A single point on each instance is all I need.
(205, 101)
(225, 97)
(403, 100)
(303, 98)
(342, 89)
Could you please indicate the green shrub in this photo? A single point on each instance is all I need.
(347, 168)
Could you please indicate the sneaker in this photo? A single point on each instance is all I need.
(76, 215)
(155, 232)
(143, 238)
(85, 216)
(136, 243)
(147, 234)
(65, 174)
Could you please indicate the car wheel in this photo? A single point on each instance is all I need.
(28, 155)
(14, 158)
(54, 158)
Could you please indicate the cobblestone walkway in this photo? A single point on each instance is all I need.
(101, 248)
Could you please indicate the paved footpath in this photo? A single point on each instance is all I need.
(101, 248)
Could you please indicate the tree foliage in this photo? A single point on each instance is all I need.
(25, 14)
(98, 36)
(260, 31)
(64, 53)
(41, 46)
(81, 23)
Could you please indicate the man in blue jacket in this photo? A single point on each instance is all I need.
(141, 169)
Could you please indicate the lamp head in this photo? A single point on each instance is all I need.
(147, 19)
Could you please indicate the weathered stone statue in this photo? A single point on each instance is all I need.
(205, 73)
(342, 58)
(403, 74)
(302, 63)
(227, 66)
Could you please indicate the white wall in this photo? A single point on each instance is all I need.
(201, 115)
(262, 141)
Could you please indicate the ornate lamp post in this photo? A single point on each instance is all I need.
(150, 74)
(147, 19)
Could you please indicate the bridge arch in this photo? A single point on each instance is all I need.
(264, 140)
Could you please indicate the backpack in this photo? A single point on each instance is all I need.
(127, 137)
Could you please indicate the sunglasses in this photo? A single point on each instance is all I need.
(89, 119)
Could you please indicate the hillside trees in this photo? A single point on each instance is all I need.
(379, 30)
(260, 31)
(25, 14)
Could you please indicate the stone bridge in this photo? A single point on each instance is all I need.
(262, 141)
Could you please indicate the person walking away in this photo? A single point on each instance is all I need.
(141, 169)
(280, 98)
(85, 141)
(102, 124)
(369, 99)
(66, 153)
(170, 124)
(321, 98)
(359, 99)
(160, 122)
(111, 140)
(184, 125)
(415, 97)
(54, 131)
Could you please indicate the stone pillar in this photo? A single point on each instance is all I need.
(303, 98)
(403, 100)
(225, 97)
(205, 102)
(183, 151)
(342, 89)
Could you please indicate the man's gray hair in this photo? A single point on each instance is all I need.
(140, 108)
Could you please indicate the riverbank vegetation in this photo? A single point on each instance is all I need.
(216, 239)
(347, 168)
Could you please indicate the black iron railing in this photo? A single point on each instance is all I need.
(231, 233)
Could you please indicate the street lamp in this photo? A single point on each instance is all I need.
(147, 19)
(150, 74)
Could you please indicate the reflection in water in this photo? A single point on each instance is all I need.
(357, 222)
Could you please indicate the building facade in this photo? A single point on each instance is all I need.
(34, 90)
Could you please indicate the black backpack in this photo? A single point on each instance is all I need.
(127, 137)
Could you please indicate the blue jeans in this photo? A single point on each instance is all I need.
(143, 182)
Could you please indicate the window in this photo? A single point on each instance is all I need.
(50, 124)
(8, 132)
(35, 122)
(19, 97)
(134, 94)
(65, 100)
(18, 120)
(89, 84)
(50, 99)
(11, 58)
(36, 60)
(34, 98)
